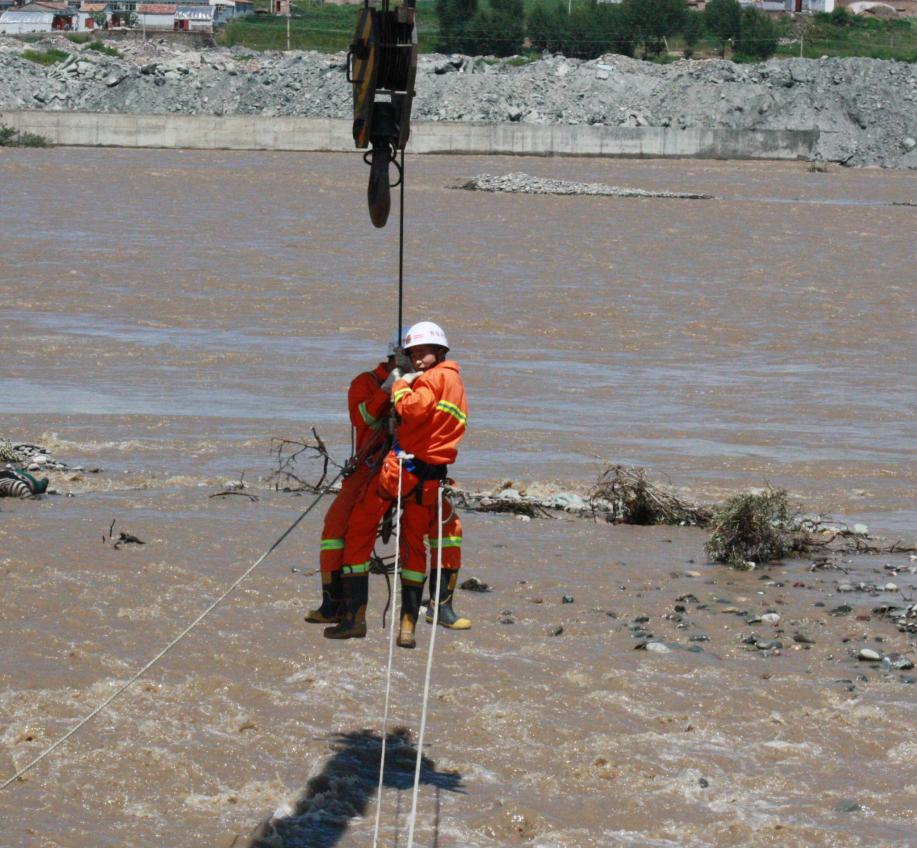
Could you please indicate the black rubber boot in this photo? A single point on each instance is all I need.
(447, 616)
(331, 609)
(353, 618)
(410, 609)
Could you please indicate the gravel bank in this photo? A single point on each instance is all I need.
(519, 183)
(864, 108)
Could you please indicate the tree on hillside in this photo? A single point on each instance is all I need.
(591, 30)
(758, 35)
(692, 31)
(455, 21)
(652, 21)
(541, 26)
(724, 21)
(501, 30)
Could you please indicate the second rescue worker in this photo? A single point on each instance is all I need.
(433, 415)
(368, 402)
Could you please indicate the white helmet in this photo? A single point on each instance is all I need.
(425, 333)
(395, 341)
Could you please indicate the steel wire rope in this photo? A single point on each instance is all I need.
(391, 650)
(426, 682)
(176, 640)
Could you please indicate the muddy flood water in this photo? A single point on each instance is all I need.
(166, 313)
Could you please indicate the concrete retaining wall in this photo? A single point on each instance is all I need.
(250, 132)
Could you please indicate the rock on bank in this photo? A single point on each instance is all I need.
(864, 109)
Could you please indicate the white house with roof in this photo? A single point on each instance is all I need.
(156, 15)
(88, 14)
(38, 17)
(197, 18)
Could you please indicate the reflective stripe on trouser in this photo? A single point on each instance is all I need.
(331, 556)
(417, 520)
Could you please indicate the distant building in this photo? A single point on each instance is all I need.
(197, 18)
(38, 17)
(791, 5)
(156, 15)
(86, 21)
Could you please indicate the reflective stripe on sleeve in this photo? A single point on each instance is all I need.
(400, 394)
(454, 411)
(332, 545)
(368, 419)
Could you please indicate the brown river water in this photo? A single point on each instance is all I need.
(165, 313)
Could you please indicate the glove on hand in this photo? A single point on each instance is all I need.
(410, 378)
(403, 361)
(394, 374)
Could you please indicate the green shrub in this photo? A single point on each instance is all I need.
(45, 57)
(752, 528)
(79, 38)
(99, 47)
(12, 138)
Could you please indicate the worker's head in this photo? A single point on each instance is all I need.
(426, 345)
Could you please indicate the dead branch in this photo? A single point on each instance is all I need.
(291, 455)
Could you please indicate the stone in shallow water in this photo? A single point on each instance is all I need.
(847, 806)
(896, 662)
(868, 655)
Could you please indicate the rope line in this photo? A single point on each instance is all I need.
(391, 651)
(175, 641)
(426, 682)
(400, 328)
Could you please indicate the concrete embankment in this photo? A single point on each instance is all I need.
(250, 132)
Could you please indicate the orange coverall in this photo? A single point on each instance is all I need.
(369, 408)
(433, 415)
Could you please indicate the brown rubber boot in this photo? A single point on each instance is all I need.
(447, 616)
(353, 620)
(410, 609)
(331, 609)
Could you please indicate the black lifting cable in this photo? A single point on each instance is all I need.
(401, 251)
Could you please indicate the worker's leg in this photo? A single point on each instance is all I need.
(358, 547)
(415, 518)
(451, 563)
(331, 554)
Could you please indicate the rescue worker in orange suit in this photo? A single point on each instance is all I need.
(431, 407)
(369, 401)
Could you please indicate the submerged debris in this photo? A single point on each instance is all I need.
(521, 183)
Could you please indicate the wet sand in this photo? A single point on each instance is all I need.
(187, 307)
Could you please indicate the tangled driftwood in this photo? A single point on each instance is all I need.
(624, 496)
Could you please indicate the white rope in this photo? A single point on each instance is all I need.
(426, 682)
(174, 642)
(391, 647)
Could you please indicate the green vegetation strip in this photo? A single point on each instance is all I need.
(659, 30)
(12, 138)
(45, 57)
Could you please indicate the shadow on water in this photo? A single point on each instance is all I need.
(346, 786)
